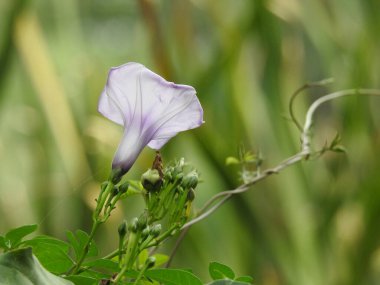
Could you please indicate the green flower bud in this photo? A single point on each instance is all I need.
(123, 188)
(114, 191)
(176, 170)
(190, 180)
(145, 233)
(190, 195)
(151, 180)
(155, 230)
(142, 221)
(168, 174)
(150, 262)
(179, 177)
(116, 175)
(133, 226)
(122, 229)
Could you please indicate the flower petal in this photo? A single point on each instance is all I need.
(151, 109)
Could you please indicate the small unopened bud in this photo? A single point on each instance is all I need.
(150, 262)
(179, 177)
(116, 175)
(190, 180)
(114, 191)
(142, 222)
(133, 226)
(168, 175)
(145, 232)
(191, 195)
(122, 229)
(176, 170)
(123, 188)
(155, 230)
(151, 180)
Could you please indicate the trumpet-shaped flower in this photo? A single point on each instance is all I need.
(151, 110)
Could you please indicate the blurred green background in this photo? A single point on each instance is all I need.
(315, 223)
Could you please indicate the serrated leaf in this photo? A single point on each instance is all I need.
(173, 277)
(21, 267)
(220, 271)
(246, 279)
(14, 236)
(232, 160)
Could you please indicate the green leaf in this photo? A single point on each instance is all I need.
(78, 241)
(14, 236)
(103, 263)
(246, 279)
(232, 160)
(227, 282)
(74, 243)
(82, 280)
(21, 267)
(220, 271)
(160, 259)
(143, 256)
(51, 252)
(173, 277)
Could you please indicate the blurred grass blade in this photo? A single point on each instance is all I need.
(32, 46)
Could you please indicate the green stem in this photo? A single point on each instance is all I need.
(131, 248)
(141, 273)
(104, 193)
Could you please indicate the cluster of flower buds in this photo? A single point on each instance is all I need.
(170, 191)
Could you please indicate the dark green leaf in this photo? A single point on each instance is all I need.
(52, 253)
(64, 246)
(173, 277)
(21, 267)
(220, 271)
(78, 242)
(74, 243)
(227, 282)
(14, 236)
(247, 279)
(82, 238)
(82, 280)
(103, 263)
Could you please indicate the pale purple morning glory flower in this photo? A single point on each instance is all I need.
(151, 110)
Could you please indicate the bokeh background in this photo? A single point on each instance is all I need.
(315, 223)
